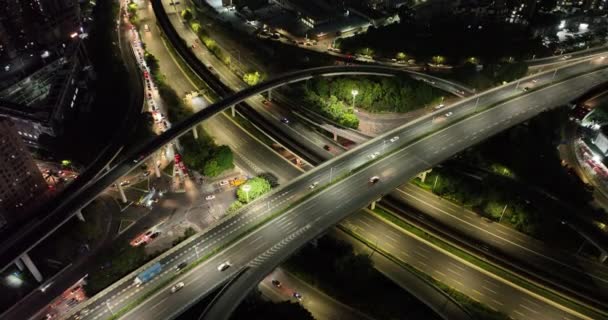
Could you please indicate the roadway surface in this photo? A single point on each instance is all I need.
(256, 157)
(534, 100)
(318, 303)
(325, 209)
(516, 250)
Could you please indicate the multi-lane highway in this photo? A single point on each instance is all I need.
(553, 95)
(411, 131)
(518, 251)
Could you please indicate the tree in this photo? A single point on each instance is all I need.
(438, 60)
(196, 27)
(401, 56)
(252, 78)
(258, 186)
(235, 206)
(187, 14)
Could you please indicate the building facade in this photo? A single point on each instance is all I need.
(22, 186)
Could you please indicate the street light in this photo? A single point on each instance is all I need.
(247, 188)
(354, 92)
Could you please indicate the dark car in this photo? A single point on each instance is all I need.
(276, 283)
(297, 295)
(285, 120)
(327, 147)
(154, 235)
(181, 266)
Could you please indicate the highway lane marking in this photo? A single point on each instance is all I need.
(365, 223)
(479, 293)
(391, 237)
(420, 254)
(528, 308)
(441, 273)
(454, 272)
(389, 245)
(486, 288)
(497, 302)
(519, 313)
(457, 266)
(531, 302)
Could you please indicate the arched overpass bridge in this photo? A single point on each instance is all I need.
(421, 144)
(38, 230)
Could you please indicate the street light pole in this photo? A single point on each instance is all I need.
(246, 188)
(354, 92)
(503, 212)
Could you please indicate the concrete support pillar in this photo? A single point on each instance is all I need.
(157, 170)
(373, 205)
(233, 111)
(422, 175)
(122, 193)
(603, 257)
(335, 136)
(31, 267)
(195, 133)
(270, 95)
(19, 264)
(79, 215)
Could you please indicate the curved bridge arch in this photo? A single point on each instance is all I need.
(37, 231)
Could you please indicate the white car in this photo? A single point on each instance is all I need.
(178, 286)
(210, 197)
(447, 115)
(439, 106)
(223, 182)
(395, 138)
(224, 266)
(374, 155)
(312, 186)
(146, 28)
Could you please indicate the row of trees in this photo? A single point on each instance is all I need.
(490, 198)
(201, 154)
(453, 39)
(338, 97)
(205, 156)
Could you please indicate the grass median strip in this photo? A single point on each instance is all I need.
(487, 266)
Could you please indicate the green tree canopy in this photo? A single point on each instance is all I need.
(252, 78)
(258, 186)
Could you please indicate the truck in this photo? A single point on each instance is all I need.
(148, 274)
(237, 182)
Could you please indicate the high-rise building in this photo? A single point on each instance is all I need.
(22, 186)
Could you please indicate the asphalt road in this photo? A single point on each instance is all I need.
(318, 303)
(516, 248)
(461, 134)
(412, 159)
(451, 270)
